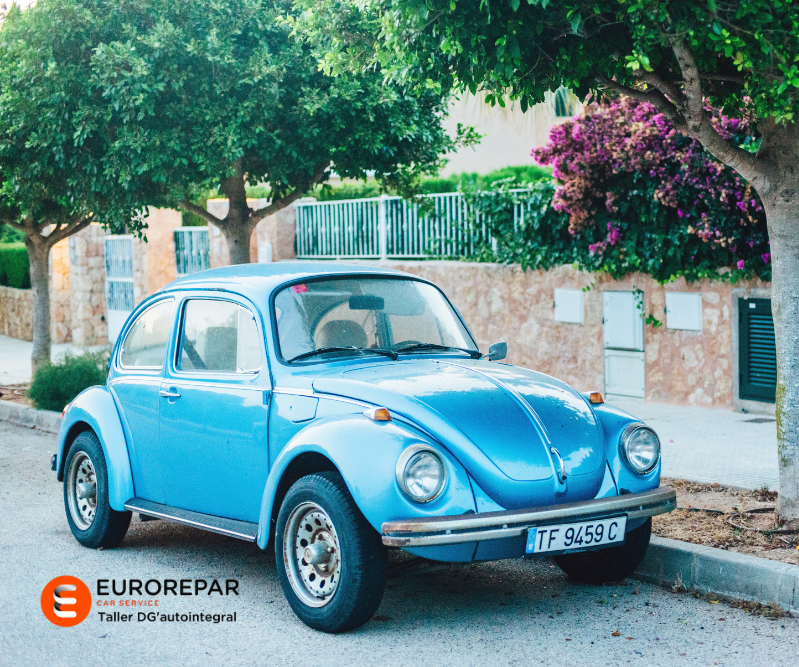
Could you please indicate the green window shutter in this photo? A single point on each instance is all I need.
(757, 350)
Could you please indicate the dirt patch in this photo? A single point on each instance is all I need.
(15, 393)
(690, 523)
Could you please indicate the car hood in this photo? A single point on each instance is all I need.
(500, 421)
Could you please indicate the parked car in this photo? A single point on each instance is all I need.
(338, 411)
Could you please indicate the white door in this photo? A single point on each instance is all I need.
(623, 333)
(118, 282)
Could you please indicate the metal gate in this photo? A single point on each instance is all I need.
(757, 361)
(191, 250)
(118, 282)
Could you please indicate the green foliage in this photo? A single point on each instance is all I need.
(537, 236)
(746, 49)
(57, 163)
(55, 385)
(213, 90)
(9, 234)
(15, 270)
(371, 188)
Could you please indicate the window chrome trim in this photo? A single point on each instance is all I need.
(201, 373)
(119, 363)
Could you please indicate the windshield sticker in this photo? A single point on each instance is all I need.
(298, 289)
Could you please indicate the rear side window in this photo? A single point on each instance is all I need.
(145, 344)
(220, 337)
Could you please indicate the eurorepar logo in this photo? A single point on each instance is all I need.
(66, 601)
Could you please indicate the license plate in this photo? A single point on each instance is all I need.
(576, 536)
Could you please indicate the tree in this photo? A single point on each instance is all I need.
(55, 132)
(219, 95)
(678, 55)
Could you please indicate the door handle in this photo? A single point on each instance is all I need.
(169, 394)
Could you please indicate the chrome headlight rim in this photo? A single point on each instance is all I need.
(624, 439)
(407, 455)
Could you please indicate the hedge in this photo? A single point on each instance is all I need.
(15, 270)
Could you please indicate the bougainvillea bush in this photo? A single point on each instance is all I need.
(640, 196)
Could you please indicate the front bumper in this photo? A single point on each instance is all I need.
(441, 530)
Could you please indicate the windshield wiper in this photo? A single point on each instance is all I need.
(474, 354)
(323, 350)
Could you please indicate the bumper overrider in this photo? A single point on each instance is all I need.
(440, 530)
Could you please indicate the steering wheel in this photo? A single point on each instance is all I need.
(403, 343)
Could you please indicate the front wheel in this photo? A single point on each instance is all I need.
(330, 561)
(613, 564)
(92, 520)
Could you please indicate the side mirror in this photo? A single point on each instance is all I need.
(497, 351)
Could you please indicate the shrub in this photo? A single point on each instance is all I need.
(15, 270)
(647, 198)
(55, 385)
(9, 234)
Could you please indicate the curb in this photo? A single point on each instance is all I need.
(729, 574)
(23, 415)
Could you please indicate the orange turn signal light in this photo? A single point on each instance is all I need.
(378, 414)
(595, 398)
(64, 411)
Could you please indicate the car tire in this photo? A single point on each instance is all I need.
(92, 520)
(330, 561)
(613, 564)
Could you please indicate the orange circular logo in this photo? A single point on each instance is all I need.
(66, 601)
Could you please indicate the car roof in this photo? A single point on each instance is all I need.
(263, 278)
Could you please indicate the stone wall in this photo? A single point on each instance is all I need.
(502, 302)
(16, 312)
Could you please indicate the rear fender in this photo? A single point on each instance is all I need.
(94, 409)
(365, 453)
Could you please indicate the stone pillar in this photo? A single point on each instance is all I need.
(60, 294)
(87, 286)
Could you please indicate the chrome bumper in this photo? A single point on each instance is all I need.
(440, 530)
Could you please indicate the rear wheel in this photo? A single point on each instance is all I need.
(92, 520)
(613, 564)
(330, 561)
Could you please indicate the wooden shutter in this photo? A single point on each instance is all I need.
(758, 353)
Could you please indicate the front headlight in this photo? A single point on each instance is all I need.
(421, 473)
(640, 448)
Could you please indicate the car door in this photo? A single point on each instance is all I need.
(214, 410)
(135, 383)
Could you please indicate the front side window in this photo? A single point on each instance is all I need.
(220, 337)
(365, 313)
(145, 344)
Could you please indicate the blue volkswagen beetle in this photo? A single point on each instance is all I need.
(336, 412)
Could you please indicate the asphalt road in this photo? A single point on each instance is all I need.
(517, 612)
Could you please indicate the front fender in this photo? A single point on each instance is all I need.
(365, 453)
(95, 408)
(613, 423)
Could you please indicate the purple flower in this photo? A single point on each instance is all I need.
(766, 257)
(680, 213)
(741, 264)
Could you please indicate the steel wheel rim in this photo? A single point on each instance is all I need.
(81, 472)
(310, 532)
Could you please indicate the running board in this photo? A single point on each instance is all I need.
(242, 530)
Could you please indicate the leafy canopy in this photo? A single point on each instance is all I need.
(209, 90)
(56, 130)
(523, 48)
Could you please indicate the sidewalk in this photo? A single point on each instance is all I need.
(15, 358)
(711, 445)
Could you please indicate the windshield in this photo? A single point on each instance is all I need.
(365, 313)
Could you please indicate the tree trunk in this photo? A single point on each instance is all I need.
(238, 241)
(237, 226)
(782, 212)
(39, 256)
